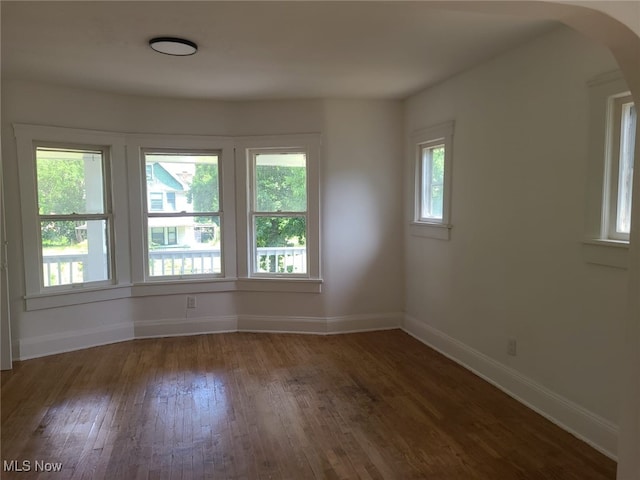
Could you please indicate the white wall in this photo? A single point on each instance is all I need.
(362, 197)
(362, 153)
(514, 264)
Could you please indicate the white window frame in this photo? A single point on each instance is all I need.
(440, 134)
(28, 138)
(127, 178)
(611, 200)
(247, 148)
(106, 215)
(144, 284)
(156, 213)
(599, 246)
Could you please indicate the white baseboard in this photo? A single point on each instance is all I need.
(281, 324)
(364, 323)
(173, 327)
(580, 422)
(320, 325)
(176, 327)
(55, 343)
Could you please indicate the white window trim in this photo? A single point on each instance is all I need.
(136, 146)
(150, 213)
(435, 135)
(128, 202)
(27, 138)
(597, 246)
(245, 146)
(612, 168)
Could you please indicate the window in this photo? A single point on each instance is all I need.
(279, 212)
(164, 236)
(176, 246)
(432, 149)
(156, 201)
(165, 231)
(432, 182)
(278, 194)
(619, 174)
(73, 215)
(171, 200)
(172, 236)
(612, 124)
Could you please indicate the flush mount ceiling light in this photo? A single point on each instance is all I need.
(173, 46)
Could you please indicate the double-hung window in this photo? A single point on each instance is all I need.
(611, 139)
(183, 213)
(619, 175)
(432, 148)
(431, 181)
(278, 212)
(74, 215)
(278, 199)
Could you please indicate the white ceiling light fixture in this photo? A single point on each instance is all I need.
(173, 46)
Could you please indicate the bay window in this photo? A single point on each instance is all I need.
(196, 214)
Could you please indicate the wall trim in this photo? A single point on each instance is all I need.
(178, 327)
(364, 323)
(174, 327)
(54, 343)
(589, 427)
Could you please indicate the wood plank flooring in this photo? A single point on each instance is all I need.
(374, 405)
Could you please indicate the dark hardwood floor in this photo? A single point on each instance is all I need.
(267, 406)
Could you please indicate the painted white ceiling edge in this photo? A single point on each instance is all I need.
(255, 50)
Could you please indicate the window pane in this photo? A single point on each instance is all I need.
(280, 244)
(156, 201)
(437, 164)
(188, 181)
(157, 236)
(625, 178)
(172, 236)
(74, 252)
(281, 182)
(436, 201)
(185, 245)
(432, 199)
(69, 181)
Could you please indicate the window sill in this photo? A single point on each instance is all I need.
(177, 287)
(42, 301)
(227, 285)
(440, 231)
(611, 253)
(47, 300)
(301, 285)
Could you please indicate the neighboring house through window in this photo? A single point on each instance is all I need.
(189, 182)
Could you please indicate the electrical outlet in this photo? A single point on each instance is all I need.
(511, 347)
(191, 302)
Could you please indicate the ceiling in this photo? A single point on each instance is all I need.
(253, 50)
